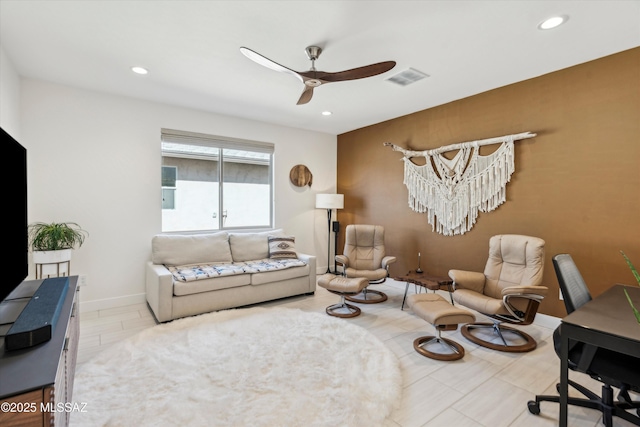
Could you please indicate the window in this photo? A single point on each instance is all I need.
(213, 183)
(169, 176)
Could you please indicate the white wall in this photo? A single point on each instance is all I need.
(94, 159)
(9, 96)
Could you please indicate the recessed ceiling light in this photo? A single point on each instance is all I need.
(552, 22)
(139, 70)
(327, 113)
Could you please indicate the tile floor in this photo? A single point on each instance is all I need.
(486, 388)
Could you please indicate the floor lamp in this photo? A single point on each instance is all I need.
(329, 202)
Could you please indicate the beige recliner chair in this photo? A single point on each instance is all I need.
(508, 291)
(364, 255)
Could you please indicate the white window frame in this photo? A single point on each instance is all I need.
(192, 138)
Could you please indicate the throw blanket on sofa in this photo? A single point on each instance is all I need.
(189, 273)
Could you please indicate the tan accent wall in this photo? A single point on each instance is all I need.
(576, 185)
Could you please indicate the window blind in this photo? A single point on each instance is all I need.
(183, 137)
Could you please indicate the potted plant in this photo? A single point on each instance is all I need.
(52, 243)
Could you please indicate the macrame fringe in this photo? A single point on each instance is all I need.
(452, 194)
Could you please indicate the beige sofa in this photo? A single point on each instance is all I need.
(197, 273)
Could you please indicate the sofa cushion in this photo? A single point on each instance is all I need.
(279, 275)
(251, 246)
(211, 284)
(195, 278)
(282, 247)
(181, 249)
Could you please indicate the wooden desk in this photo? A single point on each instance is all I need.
(426, 281)
(607, 321)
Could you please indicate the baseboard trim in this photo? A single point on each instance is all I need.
(547, 321)
(103, 304)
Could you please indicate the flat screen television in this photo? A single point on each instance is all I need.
(15, 216)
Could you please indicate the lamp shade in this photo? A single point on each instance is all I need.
(329, 201)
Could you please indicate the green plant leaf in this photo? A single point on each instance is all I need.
(635, 311)
(633, 269)
(637, 276)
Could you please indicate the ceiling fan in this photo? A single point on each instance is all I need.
(314, 78)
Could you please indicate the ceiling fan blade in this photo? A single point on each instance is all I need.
(314, 78)
(266, 62)
(354, 73)
(307, 93)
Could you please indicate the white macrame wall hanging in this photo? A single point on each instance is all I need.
(453, 191)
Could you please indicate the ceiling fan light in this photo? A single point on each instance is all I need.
(552, 22)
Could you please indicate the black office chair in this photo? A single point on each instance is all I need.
(611, 368)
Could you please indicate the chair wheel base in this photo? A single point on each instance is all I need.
(352, 310)
(368, 297)
(456, 354)
(529, 345)
(534, 407)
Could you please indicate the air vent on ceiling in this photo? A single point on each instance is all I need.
(407, 77)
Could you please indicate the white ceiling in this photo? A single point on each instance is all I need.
(191, 49)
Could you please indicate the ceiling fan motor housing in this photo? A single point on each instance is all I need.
(312, 82)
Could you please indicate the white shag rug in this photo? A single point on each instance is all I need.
(244, 367)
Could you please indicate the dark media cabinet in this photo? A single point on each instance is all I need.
(37, 382)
